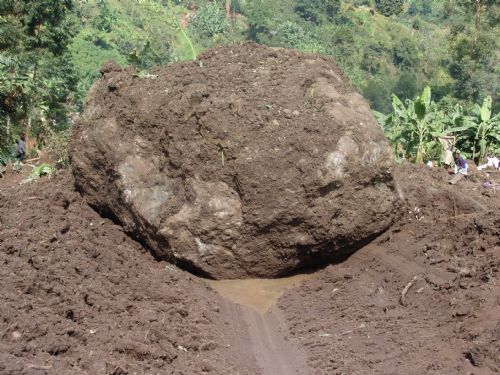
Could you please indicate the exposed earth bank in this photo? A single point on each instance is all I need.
(251, 161)
(80, 297)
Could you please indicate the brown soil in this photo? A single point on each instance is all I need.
(351, 317)
(80, 297)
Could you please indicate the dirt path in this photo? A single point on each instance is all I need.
(258, 329)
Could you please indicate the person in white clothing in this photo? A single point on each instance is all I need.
(491, 161)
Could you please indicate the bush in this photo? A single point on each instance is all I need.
(56, 147)
(389, 7)
(8, 154)
(406, 54)
(210, 20)
(317, 11)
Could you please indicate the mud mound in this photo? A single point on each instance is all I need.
(447, 246)
(80, 297)
(251, 161)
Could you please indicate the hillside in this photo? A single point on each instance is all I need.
(382, 55)
(50, 51)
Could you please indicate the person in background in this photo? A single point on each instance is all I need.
(21, 148)
(460, 164)
(491, 162)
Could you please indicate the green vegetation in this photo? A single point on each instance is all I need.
(50, 53)
(37, 79)
(413, 128)
(39, 171)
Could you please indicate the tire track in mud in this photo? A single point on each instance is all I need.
(257, 335)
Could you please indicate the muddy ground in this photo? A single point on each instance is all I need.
(80, 297)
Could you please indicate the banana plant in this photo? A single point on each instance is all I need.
(413, 128)
(480, 133)
(422, 123)
(488, 131)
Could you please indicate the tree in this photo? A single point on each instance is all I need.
(378, 94)
(406, 87)
(38, 79)
(473, 50)
(406, 54)
(317, 11)
(389, 7)
(422, 7)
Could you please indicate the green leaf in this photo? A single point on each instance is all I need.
(496, 136)
(41, 170)
(476, 110)
(426, 96)
(486, 109)
(462, 128)
(398, 106)
(437, 133)
(420, 109)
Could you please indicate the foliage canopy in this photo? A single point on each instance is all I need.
(50, 52)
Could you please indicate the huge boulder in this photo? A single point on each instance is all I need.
(250, 161)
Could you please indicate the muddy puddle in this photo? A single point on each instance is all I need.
(258, 294)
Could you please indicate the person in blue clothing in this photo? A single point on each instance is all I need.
(460, 163)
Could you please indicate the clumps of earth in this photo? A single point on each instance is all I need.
(249, 162)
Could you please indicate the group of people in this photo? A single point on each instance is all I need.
(461, 166)
(492, 162)
(451, 154)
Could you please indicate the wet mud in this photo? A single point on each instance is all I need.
(257, 294)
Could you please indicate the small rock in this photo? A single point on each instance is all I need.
(207, 366)
(208, 346)
(462, 311)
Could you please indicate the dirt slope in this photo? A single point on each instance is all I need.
(79, 297)
(351, 318)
